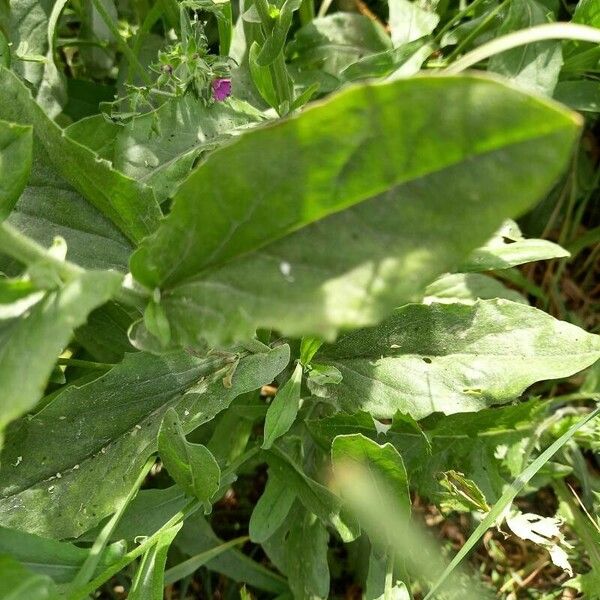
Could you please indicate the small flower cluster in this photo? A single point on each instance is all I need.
(188, 66)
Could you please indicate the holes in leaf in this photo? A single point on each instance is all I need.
(427, 360)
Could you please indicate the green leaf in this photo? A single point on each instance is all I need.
(382, 462)
(132, 207)
(30, 345)
(197, 537)
(409, 22)
(351, 278)
(161, 147)
(330, 44)
(58, 560)
(112, 438)
(148, 582)
(16, 147)
(50, 207)
(387, 62)
(283, 409)
(271, 509)
(378, 577)
(454, 358)
(306, 557)
(261, 77)
(468, 288)
(275, 40)
(156, 322)
(32, 30)
(308, 348)
(463, 493)
(18, 583)
(189, 566)
(488, 445)
(533, 67)
(315, 497)
(581, 95)
(192, 466)
(508, 248)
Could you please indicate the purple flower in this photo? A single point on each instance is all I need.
(221, 89)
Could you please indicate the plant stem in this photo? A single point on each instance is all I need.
(91, 562)
(85, 364)
(507, 498)
(123, 45)
(539, 33)
(26, 251)
(225, 27)
(307, 11)
(86, 590)
(279, 74)
(456, 18)
(490, 17)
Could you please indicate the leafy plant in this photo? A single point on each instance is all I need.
(226, 309)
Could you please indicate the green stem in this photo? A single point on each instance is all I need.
(26, 251)
(456, 18)
(84, 592)
(507, 499)
(388, 590)
(307, 11)
(225, 26)
(489, 18)
(91, 562)
(85, 364)
(131, 57)
(13, 243)
(279, 74)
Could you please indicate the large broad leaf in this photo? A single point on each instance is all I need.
(16, 144)
(131, 206)
(271, 510)
(50, 207)
(160, 148)
(492, 150)
(105, 431)
(509, 248)
(467, 288)
(487, 446)
(536, 66)
(454, 358)
(31, 340)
